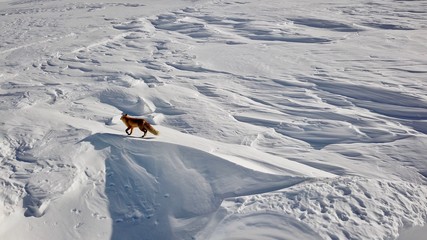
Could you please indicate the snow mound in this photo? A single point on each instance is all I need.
(125, 102)
(164, 181)
(344, 207)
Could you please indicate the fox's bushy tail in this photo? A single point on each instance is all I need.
(151, 128)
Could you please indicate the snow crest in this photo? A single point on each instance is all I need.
(164, 181)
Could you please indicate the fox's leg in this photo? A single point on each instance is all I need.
(127, 129)
(142, 128)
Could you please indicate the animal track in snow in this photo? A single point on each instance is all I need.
(311, 201)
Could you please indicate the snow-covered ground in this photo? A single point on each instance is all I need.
(278, 119)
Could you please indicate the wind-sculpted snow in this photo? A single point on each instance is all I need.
(342, 208)
(164, 181)
(278, 120)
(129, 104)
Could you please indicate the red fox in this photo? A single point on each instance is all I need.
(142, 124)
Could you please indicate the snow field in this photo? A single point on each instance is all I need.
(277, 121)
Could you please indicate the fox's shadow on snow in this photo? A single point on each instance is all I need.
(124, 136)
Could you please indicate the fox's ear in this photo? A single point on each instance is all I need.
(124, 114)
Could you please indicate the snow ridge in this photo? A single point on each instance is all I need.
(168, 180)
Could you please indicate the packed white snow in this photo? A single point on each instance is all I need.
(278, 119)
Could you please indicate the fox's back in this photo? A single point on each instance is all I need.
(134, 122)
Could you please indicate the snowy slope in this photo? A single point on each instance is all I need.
(278, 120)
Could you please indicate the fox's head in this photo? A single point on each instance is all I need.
(124, 115)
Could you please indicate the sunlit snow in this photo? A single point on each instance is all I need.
(278, 119)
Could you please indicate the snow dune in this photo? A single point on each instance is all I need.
(165, 182)
(305, 119)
